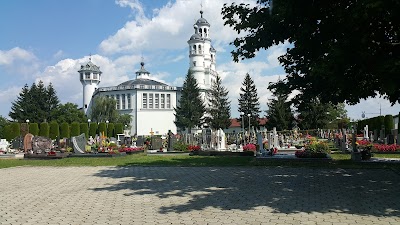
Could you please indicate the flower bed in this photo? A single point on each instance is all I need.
(249, 147)
(309, 154)
(131, 150)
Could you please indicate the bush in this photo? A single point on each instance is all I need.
(119, 128)
(84, 129)
(75, 129)
(34, 129)
(54, 130)
(64, 130)
(44, 129)
(102, 129)
(389, 124)
(15, 130)
(93, 129)
(180, 146)
(110, 130)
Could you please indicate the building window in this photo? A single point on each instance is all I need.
(144, 101)
(168, 101)
(194, 63)
(123, 101)
(156, 100)
(129, 101)
(87, 75)
(95, 76)
(150, 101)
(117, 99)
(162, 101)
(141, 86)
(81, 76)
(85, 106)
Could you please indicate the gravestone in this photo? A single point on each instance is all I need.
(221, 140)
(4, 145)
(260, 143)
(156, 143)
(390, 139)
(28, 142)
(79, 143)
(375, 135)
(17, 143)
(366, 133)
(140, 141)
(173, 140)
(41, 144)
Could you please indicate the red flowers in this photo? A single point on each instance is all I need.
(129, 149)
(192, 148)
(249, 147)
(387, 148)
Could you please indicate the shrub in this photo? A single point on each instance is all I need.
(44, 129)
(64, 130)
(389, 125)
(34, 129)
(119, 128)
(180, 146)
(54, 130)
(93, 129)
(110, 130)
(15, 130)
(84, 129)
(75, 129)
(102, 129)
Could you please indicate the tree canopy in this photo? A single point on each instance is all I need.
(190, 110)
(249, 101)
(219, 109)
(343, 51)
(279, 113)
(104, 109)
(35, 103)
(69, 112)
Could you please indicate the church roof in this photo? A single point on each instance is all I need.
(195, 37)
(90, 67)
(142, 69)
(202, 21)
(141, 81)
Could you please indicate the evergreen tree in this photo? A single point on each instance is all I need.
(219, 107)
(35, 103)
(279, 113)
(54, 130)
(190, 111)
(248, 101)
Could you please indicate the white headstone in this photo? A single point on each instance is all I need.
(366, 132)
(221, 140)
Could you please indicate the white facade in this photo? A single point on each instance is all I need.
(151, 103)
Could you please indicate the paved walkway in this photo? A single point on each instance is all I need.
(176, 195)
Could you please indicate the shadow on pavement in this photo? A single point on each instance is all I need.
(285, 190)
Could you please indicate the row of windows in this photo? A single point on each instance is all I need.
(156, 101)
(87, 76)
(124, 99)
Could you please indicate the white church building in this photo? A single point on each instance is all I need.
(151, 103)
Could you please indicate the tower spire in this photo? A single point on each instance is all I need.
(201, 9)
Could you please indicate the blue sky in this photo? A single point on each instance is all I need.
(48, 40)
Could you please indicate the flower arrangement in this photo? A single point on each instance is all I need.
(130, 149)
(313, 149)
(249, 147)
(386, 148)
(51, 153)
(192, 148)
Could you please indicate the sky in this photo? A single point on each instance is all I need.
(48, 40)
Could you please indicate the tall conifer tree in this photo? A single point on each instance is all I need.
(249, 102)
(279, 113)
(190, 110)
(218, 107)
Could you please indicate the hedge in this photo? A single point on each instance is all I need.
(64, 130)
(93, 129)
(119, 128)
(44, 130)
(15, 130)
(102, 128)
(34, 129)
(54, 130)
(110, 130)
(84, 129)
(75, 129)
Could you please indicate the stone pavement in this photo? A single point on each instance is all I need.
(199, 195)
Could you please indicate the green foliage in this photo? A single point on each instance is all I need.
(35, 103)
(69, 112)
(119, 128)
(358, 60)
(180, 146)
(191, 109)
(44, 130)
(84, 129)
(15, 130)
(54, 131)
(124, 119)
(3, 123)
(279, 113)
(318, 147)
(93, 129)
(315, 114)
(64, 130)
(110, 130)
(75, 129)
(102, 128)
(389, 124)
(34, 129)
(7, 132)
(248, 101)
(219, 106)
(103, 109)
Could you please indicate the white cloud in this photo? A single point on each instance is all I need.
(59, 54)
(169, 28)
(16, 54)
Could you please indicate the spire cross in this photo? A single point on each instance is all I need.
(90, 57)
(201, 9)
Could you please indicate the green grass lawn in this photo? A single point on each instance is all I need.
(339, 161)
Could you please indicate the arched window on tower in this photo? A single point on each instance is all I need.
(205, 32)
(200, 49)
(194, 49)
(212, 58)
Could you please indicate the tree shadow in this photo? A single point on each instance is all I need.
(283, 190)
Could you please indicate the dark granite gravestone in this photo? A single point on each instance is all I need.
(79, 143)
(17, 143)
(390, 139)
(173, 140)
(140, 141)
(41, 144)
(375, 135)
(28, 142)
(156, 143)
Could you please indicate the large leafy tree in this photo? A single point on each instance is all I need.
(279, 113)
(219, 109)
(35, 103)
(249, 101)
(68, 112)
(190, 110)
(343, 51)
(104, 109)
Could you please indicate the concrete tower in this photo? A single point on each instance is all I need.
(90, 76)
(202, 54)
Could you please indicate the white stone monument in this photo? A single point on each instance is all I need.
(221, 145)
